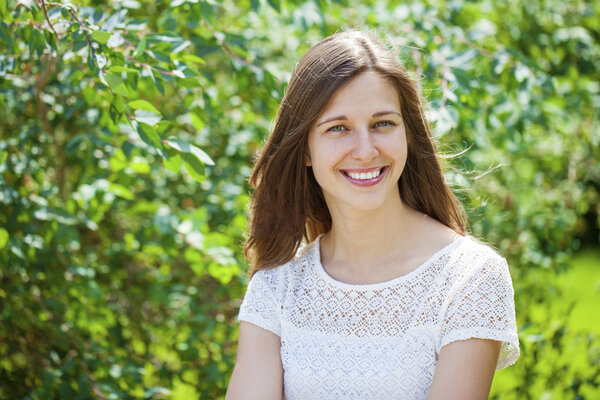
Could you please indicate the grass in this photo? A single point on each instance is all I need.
(581, 285)
(556, 370)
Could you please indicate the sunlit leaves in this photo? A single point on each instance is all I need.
(149, 135)
(101, 36)
(193, 158)
(158, 80)
(116, 84)
(143, 105)
(147, 117)
(118, 69)
(276, 4)
(173, 163)
(127, 136)
(193, 166)
(3, 8)
(191, 59)
(3, 237)
(140, 48)
(186, 147)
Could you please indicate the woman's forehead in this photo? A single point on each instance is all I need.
(368, 93)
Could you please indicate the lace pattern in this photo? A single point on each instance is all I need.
(381, 340)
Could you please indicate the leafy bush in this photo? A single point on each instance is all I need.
(127, 135)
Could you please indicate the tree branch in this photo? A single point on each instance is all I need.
(42, 4)
(84, 29)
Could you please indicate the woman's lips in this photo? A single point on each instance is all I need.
(364, 177)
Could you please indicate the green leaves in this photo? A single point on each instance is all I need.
(158, 80)
(116, 84)
(3, 9)
(118, 69)
(193, 158)
(276, 4)
(193, 166)
(3, 238)
(141, 47)
(173, 163)
(143, 105)
(108, 251)
(147, 117)
(185, 147)
(147, 133)
(101, 36)
(37, 42)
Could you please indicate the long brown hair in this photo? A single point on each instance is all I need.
(288, 204)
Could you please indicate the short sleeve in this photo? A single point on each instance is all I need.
(260, 306)
(481, 305)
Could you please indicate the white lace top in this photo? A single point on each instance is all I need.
(381, 341)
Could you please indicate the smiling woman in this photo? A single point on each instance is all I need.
(389, 298)
(357, 149)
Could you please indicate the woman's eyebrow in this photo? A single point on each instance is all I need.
(381, 113)
(338, 118)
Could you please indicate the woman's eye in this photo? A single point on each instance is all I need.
(382, 124)
(337, 128)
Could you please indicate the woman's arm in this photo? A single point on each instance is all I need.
(464, 370)
(258, 373)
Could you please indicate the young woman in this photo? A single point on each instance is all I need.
(389, 298)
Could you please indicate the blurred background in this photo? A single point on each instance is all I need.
(127, 134)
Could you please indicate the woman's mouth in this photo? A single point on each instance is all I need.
(367, 177)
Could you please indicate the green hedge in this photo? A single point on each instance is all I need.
(128, 131)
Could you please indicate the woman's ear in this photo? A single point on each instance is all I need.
(307, 157)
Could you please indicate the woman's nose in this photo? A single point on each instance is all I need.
(364, 147)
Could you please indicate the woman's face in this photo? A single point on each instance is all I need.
(357, 146)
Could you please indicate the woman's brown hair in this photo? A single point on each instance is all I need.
(288, 204)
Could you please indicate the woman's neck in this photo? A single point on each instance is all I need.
(360, 238)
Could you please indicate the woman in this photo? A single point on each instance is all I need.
(389, 299)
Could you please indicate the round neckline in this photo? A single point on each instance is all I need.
(375, 285)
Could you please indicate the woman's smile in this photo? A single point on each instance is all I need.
(364, 177)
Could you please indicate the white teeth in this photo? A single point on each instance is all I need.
(364, 175)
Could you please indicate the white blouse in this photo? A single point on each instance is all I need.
(381, 341)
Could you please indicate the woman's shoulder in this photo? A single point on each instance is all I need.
(477, 249)
(300, 264)
(472, 256)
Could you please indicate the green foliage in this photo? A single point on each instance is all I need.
(127, 131)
